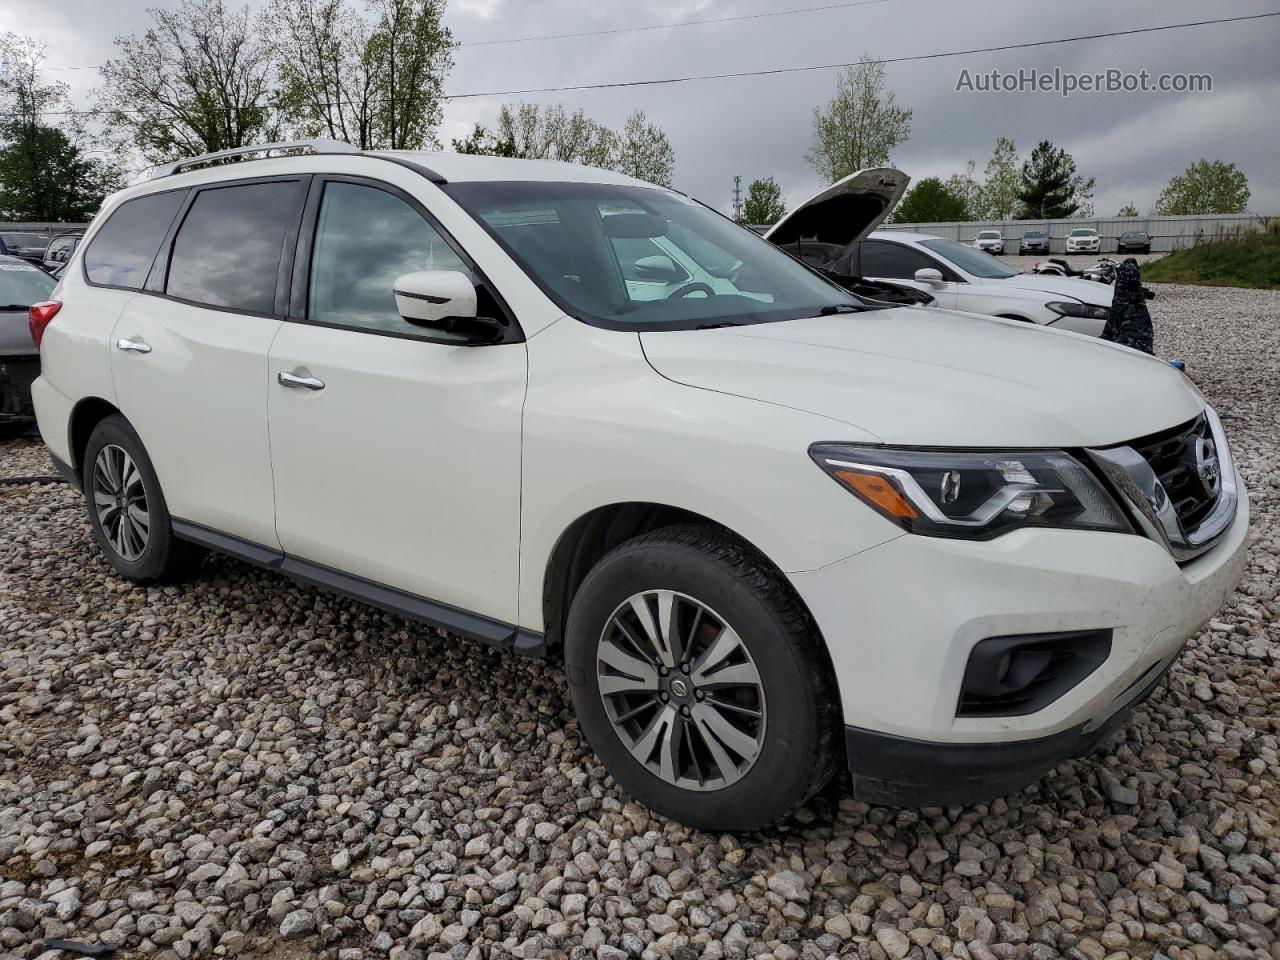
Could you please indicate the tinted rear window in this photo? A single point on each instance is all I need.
(22, 285)
(227, 251)
(121, 253)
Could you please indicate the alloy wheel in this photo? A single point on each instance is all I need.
(121, 502)
(681, 690)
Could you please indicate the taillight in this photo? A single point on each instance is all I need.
(39, 316)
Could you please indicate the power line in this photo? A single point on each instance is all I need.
(835, 66)
(776, 71)
(670, 26)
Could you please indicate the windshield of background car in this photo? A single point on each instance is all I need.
(577, 241)
(23, 239)
(22, 285)
(989, 235)
(1082, 233)
(971, 261)
(1035, 235)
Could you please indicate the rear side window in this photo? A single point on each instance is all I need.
(121, 253)
(227, 251)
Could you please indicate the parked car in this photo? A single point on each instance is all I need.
(1035, 241)
(875, 193)
(1084, 240)
(1134, 241)
(989, 241)
(767, 528)
(840, 220)
(21, 285)
(28, 246)
(59, 250)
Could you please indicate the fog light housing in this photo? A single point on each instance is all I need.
(1019, 675)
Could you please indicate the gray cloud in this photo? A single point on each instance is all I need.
(1132, 143)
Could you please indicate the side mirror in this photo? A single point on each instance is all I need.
(444, 300)
(659, 269)
(930, 276)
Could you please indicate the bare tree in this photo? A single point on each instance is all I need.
(374, 79)
(860, 126)
(196, 81)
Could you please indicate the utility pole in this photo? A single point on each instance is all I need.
(737, 198)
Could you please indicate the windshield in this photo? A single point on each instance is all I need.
(22, 285)
(1034, 234)
(580, 243)
(988, 234)
(1082, 233)
(973, 262)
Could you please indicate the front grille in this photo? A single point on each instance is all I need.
(16, 377)
(1172, 456)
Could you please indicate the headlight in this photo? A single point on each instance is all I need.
(972, 495)
(1067, 308)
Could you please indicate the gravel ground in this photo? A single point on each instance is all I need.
(246, 767)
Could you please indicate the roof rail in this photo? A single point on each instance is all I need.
(294, 146)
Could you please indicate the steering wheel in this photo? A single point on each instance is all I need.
(697, 286)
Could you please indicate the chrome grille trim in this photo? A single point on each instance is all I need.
(1136, 482)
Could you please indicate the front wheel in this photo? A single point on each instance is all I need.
(699, 680)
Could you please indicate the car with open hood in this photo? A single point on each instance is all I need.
(838, 225)
(767, 526)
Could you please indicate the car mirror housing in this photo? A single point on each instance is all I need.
(444, 300)
(930, 275)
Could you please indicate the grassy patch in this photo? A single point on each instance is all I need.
(1250, 259)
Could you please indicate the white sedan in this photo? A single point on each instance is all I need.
(833, 231)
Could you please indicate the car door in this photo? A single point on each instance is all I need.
(190, 365)
(395, 448)
(885, 260)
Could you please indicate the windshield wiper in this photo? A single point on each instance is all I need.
(839, 308)
(717, 326)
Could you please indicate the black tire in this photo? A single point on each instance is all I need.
(798, 752)
(164, 558)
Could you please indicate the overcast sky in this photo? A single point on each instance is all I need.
(761, 126)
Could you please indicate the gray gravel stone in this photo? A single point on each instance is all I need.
(214, 768)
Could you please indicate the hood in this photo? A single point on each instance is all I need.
(936, 378)
(1087, 291)
(844, 212)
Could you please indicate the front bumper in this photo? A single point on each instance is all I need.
(901, 619)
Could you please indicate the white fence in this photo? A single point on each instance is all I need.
(1167, 233)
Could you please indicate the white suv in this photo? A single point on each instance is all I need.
(1084, 240)
(768, 527)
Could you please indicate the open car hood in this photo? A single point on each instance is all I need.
(844, 212)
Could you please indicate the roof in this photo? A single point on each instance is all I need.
(464, 167)
(907, 235)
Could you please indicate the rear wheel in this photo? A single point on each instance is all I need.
(699, 679)
(127, 509)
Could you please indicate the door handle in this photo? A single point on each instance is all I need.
(286, 379)
(133, 346)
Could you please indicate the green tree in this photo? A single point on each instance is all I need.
(965, 186)
(1128, 210)
(929, 201)
(197, 80)
(374, 80)
(1000, 188)
(1050, 188)
(640, 149)
(764, 202)
(46, 173)
(860, 126)
(484, 141)
(1205, 187)
(643, 151)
